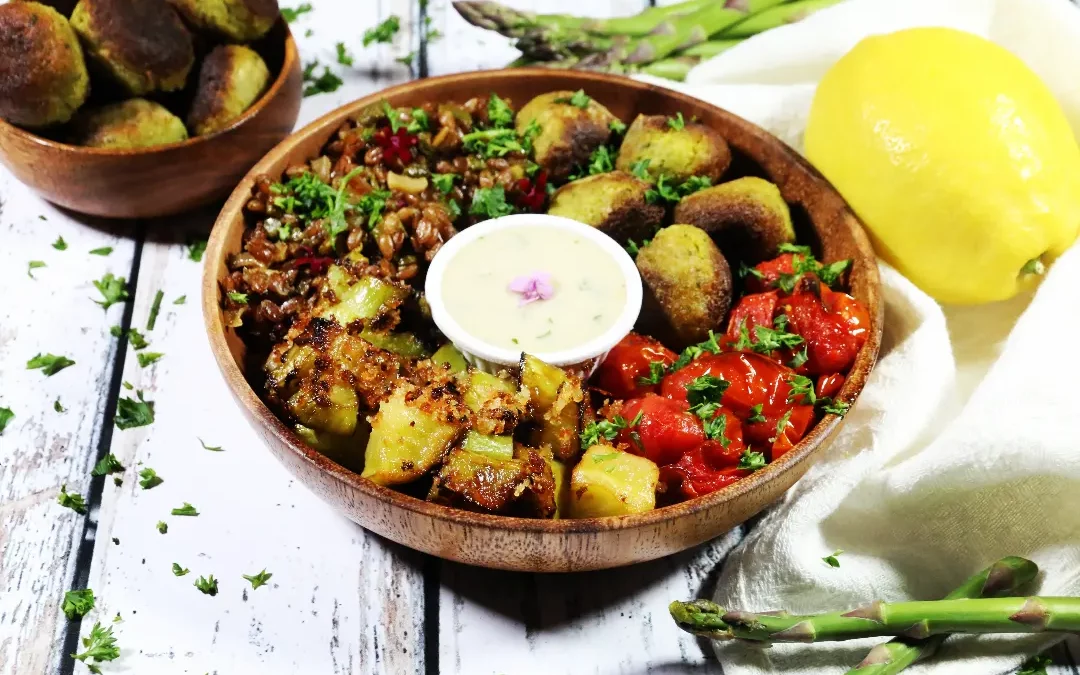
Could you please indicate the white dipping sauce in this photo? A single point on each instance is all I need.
(588, 289)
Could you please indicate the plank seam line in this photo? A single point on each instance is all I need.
(422, 33)
(432, 635)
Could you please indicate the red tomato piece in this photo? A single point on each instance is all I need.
(665, 432)
(828, 386)
(769, 271)
(802, 417)
(726, 452)
(832, 339)
(756, 309)
(693, 476)
(627, 362)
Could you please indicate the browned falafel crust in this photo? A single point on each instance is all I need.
(146, 35)
(30, 53)
(213, 85)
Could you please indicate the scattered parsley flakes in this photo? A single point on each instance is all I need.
(657, 370)
(343, 55)
(798, 358)
(162, 526)
(77, 603)
(196, 249)
(640, 169)
(677, 123)
(705, 389)
(606, 429)
(715, 427)
(179, 571)
(752, 461)
(74, 502)
(136, 339)
(181, 300)
(756, 413)
(633, 248)
(803, 262)
(127, 385)
(617, 127)
(490, 202)
(148, 478)
(495, 142)
(103, 251)
(384, 32)
(50, 364)
(211, 448)
(601, 161)
(60, 244)
(802, 390)
(579, 99)
(6, 416)
(100, 645)
(830, 407)
(407, 60)
(290, 14)
(325, 83)
(443, 181)
(133, 413)
(259, 579)
(113, 290)
(155, 308)
(687, 356)
(55, 406)
(781, 425)
(500, 116)
(147, 358)
(238, 298)
(831, 560)
(33, 265)
(185, 510)
(666, 191)
(207, 586)
(108, 464)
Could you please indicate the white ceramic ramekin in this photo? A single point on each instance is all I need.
(490, 358)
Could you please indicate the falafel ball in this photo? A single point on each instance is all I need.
(62, 6)
(231, 79)
(43, 78)
(572, 126)
(142, 44)
(687, 285)
(134, 123)
(236, 20)
(747, 218)
(613, 203)
(675, 147)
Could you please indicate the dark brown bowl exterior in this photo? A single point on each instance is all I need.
(167, 179)
(552, 545)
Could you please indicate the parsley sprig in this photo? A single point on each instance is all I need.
(73, 501)
(803, 262)
(667, 191)
(606, 429)
(99, 645)
(259, 579)
(384, 32)
(50, 364)
(77, 603)
(579, 99)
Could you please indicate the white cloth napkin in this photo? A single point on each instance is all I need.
(963, 446)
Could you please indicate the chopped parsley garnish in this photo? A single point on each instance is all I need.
(185, 510)
(238, 298)
(103, 251)
(50, 364)
(420, 121)
(196, 249)
(677, 123)
(617, 126)
(155, 308)
(324, 83)
(693, 351)
(207, 586)
(494, 142)
(831, 560)
(454, 208)
(146, 358)
(830, 407)
(705, 389)
(162, 526)
(657, 370)
(179, 571)
(133, 413)
(384, 32)
(148, 479)
(99, 645)
(343, 55)
(406, 60)
(5, 417)
(108, 464)
(77, 603)
(715, 428)
(211, 448)
(60, 244)
(490, 202)
(782, 425)
(74, 502)
(771, 339)
(113, 290)
(606, 429)
(798, 358)
(802, 387)
(136, 339)
(640, 169)
(751, 461)
(259, 579)
(181, 300)
(601, 161)
(33, 265)
(56, 406)
(290, 14)
(579, 99)
(305, 196)
(443, 181)
(499, 113)
(746, 270)
(666, 191)
(756, 413)
(803, 262)
(633, 248)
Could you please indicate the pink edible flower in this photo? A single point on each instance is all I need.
(532, 287)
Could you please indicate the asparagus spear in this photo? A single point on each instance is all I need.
(643, 22)
(910, 619)
(775, 16)
(676, 67)
(1003, 577)
(553, 39)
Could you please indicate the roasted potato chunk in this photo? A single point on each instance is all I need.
(747, 218)
(134, 123)
(677, 152)
(231, 79)
(609, 482)
(568, 133)
(687, 284)
(43, 78)
(522, 485)
(613, 203)
(555, 398)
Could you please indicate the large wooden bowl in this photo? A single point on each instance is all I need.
(822, 219)
(166, 179)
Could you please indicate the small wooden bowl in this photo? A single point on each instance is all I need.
(822, 219)
(165, 179)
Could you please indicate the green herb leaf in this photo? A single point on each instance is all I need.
(60, 244)
(798, 358)
(343, 55)
(640, 169)
(830, 407)
(74, 502)
(715, 427)
(238, 298)
(454, 208)
(771, 339)
(162, 526)
(579, 99)
(373, 204)
(443, 181)
(756, 413)
(103, 251)
(419, 122)
(50, 364)
(136, 339)
(211, 448)
(33, 265)
(1036, 665)
(56, 406)
(324, 83)
(781, 425)
(5, 417)
(195, 250)
(155, 308)
(657, 370)
(185, 510)
(99, 645)
(108, 464)
(113, 290)
(751, 461)
(677, 123)
(407, 60)
(831, 560)
(490, 202)
(259, 579)
(604, 429)
(705, 389)
(181, 300)
(500, 115)
(687, 356)
(618, 127)
(179, 571)
(148, 479)
(633, 248)
(146, 358)
(802, 390)
(290, 14)
(207, 586)
(601, 161)
(77, 603)
(133, 413)
(384, 32)
(493, 142)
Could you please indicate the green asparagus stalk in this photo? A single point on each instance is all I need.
(775, 16)
(1002, 578)
(553, 39)
(643, 22)
(909, 619)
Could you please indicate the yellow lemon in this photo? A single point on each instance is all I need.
(955, 155)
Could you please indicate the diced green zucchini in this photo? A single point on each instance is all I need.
(361, 299)
(448, 355)
(485, 388)
(402, 344)
(470, 478)
(561, 473)
(339, 417)
(347, 451)
(556, 402)
(609, 482)
(495, 447)
(405, 442)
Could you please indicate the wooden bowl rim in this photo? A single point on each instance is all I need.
(290, 57)
(257, 409)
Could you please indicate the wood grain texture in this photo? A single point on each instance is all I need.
(42, 449)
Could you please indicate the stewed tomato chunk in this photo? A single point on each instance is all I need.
(663, 432)
(626, 370)
(765, 275)
(834, 326)
(695, 474)
(756, 309)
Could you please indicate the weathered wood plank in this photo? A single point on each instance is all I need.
(41, 449)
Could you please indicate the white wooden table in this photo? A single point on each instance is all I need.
(341, 600)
